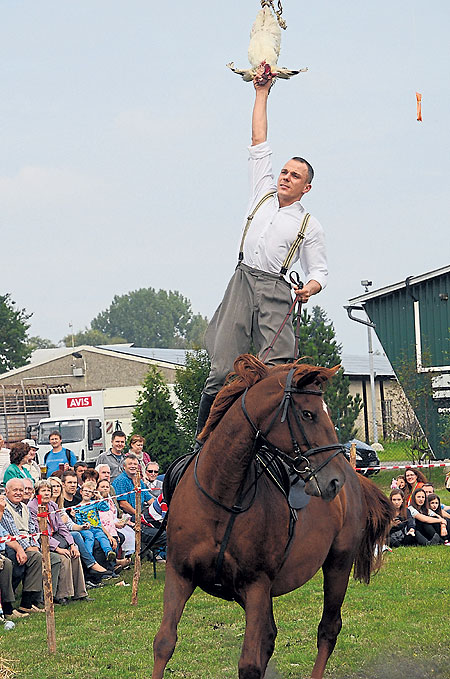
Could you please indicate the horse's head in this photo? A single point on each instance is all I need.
(287, 411)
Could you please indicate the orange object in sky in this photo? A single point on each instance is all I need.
(419, 106)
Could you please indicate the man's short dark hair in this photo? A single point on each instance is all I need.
(131, 456)
(117, 433)
(65, 475)
(308, 165)
(79, 464)
(55, 433)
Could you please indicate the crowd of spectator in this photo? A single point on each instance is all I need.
(91, 519)
(420, 516)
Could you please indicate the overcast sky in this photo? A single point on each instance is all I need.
(123, 147)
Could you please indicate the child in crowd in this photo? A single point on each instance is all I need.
(435, 508)
(402, 531)
(88, 513)
(117, 528)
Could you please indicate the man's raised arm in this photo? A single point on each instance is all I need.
(259, 118)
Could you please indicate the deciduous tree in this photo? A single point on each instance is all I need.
(14, 350)
(188, 388)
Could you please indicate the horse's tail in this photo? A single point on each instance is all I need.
(379, 512)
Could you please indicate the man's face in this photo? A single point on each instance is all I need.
(28, 491)
(152, 471)
(70, 485)
(104, 473)
(428, 488)
(14, 491)
(118, 445)
(131, 466)
(293, 182)
(55, 441)
(79, 472)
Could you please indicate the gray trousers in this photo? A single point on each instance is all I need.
(6, 590)
(253, 308)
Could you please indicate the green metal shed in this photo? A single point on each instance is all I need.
(412, 322)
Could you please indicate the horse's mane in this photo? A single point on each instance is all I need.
(248, 370)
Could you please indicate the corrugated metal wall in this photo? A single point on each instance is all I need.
(393, 315)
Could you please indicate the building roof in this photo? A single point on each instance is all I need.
(175, 356)
(411, 280)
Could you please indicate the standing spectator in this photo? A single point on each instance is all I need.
(4, 457)
(24, 552)
(71, 579)
(137, 444)
(414, 479)
(19, 456)
(114, 457)
(152, 482)
(33, 466)
(58, 455)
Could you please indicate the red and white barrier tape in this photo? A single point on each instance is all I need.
(404, 466)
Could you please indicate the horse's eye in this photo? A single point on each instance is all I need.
(307, 415)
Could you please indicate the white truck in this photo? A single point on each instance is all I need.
(86, 420)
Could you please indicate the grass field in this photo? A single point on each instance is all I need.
(399, 625)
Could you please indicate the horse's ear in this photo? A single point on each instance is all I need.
(310, 374)
(250, 369)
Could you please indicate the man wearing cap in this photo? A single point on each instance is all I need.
(32, 466)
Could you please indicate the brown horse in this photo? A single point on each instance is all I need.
(230, 530)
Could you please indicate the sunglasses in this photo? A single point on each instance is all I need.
(153, 471)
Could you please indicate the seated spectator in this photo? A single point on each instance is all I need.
(28, 490)
(124, 486)
(19, 456)
(414, 479)
(115, 526)
(71, 497)
(435, 509)
(58, 457)
(114, 457)
(428, 527)
(401, 483)
(89, 475)
(24, 552)
(4, 457)
(152, 482)
(402, 531)
(92, 567)
(429, 489)
(7, 596)
(79, 468)
(137, 444)
(88, 513)
(33, 466)
(71, 579)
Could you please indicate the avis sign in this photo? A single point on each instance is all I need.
(79, 402)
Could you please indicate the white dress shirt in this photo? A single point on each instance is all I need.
(275, 228)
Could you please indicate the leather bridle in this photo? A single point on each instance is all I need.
(300, 464)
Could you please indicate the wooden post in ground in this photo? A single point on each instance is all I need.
(137, 558)
(353, 455)
(47, 577)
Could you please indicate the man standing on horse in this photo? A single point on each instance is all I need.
(277, 233)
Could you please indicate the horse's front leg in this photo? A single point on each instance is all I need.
(260, 631)
(177, 591)
(334, 589)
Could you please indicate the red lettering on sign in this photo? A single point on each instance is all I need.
(79, 402)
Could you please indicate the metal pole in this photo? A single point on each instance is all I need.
(137, 558)
(372, 386)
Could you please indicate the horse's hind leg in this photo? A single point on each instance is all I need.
(334, 589)
(177, 591)
(260, 632)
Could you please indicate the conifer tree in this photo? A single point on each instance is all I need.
(318, 346)
(155, 419)
(188, 388)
